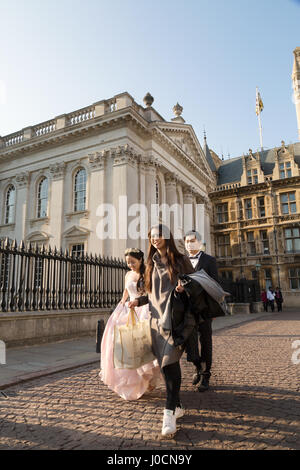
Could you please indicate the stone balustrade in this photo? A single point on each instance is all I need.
(67, 120)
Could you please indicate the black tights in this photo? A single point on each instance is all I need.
(172, 376)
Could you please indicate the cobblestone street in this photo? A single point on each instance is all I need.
(253, 402)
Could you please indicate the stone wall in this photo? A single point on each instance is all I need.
(29, 328)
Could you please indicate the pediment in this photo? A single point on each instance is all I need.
(38, 236)
(76, 231)
(187, 141)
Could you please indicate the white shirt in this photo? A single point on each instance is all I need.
(270, 296)
(195, 258)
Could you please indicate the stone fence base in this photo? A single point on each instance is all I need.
(235, 308)
(254, 307)
(30, 328)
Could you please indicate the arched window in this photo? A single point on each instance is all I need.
(80, 190)
(10, 203)
(42, 198)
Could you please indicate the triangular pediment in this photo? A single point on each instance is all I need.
(38, 236)
(76, 231)
(184, 137)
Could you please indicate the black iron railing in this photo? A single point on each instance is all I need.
(241, 291)
(39, 278)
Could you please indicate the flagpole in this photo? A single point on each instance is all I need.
(258, 116)
(260, 131)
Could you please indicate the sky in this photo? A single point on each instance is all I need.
(57, 56)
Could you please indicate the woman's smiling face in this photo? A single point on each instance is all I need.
(157, 240)
(133, 263)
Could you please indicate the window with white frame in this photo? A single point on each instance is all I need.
(80, 190)
(42, 198)
(10, 205)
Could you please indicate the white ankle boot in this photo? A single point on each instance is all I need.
(169, 423)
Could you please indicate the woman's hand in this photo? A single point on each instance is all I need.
(133, 303)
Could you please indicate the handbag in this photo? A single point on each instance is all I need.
(132, 343)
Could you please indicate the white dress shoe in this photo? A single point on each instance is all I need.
(169, 423)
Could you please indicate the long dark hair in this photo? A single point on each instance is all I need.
(174, 257)
(139, 255)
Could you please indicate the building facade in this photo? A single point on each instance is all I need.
(256, 219)
(74, 182)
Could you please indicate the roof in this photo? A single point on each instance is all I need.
(208, 156)
(230, 171)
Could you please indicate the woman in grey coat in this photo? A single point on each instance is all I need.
(164, 264)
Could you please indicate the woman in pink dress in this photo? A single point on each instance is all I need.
(130, 384)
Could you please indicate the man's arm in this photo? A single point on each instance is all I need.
(212, 269)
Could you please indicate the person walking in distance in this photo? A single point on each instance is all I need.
(264, 300)
(163, 267)
(201, 260)
(278, 299)
(271, 298)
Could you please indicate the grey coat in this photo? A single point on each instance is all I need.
(160, 308)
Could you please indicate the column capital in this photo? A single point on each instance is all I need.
(57, 170)
(97, 160)
(22, 179)
(124, 154)
(171, 179)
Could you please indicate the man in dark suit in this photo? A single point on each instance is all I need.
(201, 260)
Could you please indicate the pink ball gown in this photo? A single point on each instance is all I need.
(130, 384)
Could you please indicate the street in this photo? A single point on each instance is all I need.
(253, 401)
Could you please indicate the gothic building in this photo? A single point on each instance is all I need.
(256, 212)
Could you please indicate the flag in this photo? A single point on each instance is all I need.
(259, 103)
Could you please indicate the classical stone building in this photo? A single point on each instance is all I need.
(57, 177)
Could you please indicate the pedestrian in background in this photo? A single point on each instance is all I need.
(278, 299)
(264, 299)
(271, 298)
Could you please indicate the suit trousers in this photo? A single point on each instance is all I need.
(192, 346)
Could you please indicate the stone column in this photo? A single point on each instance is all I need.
(125, 197)
(97, 200)
(21, 180)
(172, 208)
(56, 203)
(188, 211)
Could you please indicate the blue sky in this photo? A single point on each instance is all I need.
(60, 55)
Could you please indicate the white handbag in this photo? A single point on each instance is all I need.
(132, 343)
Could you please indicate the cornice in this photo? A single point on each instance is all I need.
(187, 129)
(60, 136)
(189, 163)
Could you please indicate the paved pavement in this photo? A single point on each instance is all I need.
(253, 402)
(25, 363)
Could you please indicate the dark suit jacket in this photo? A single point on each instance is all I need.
(209, 264)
